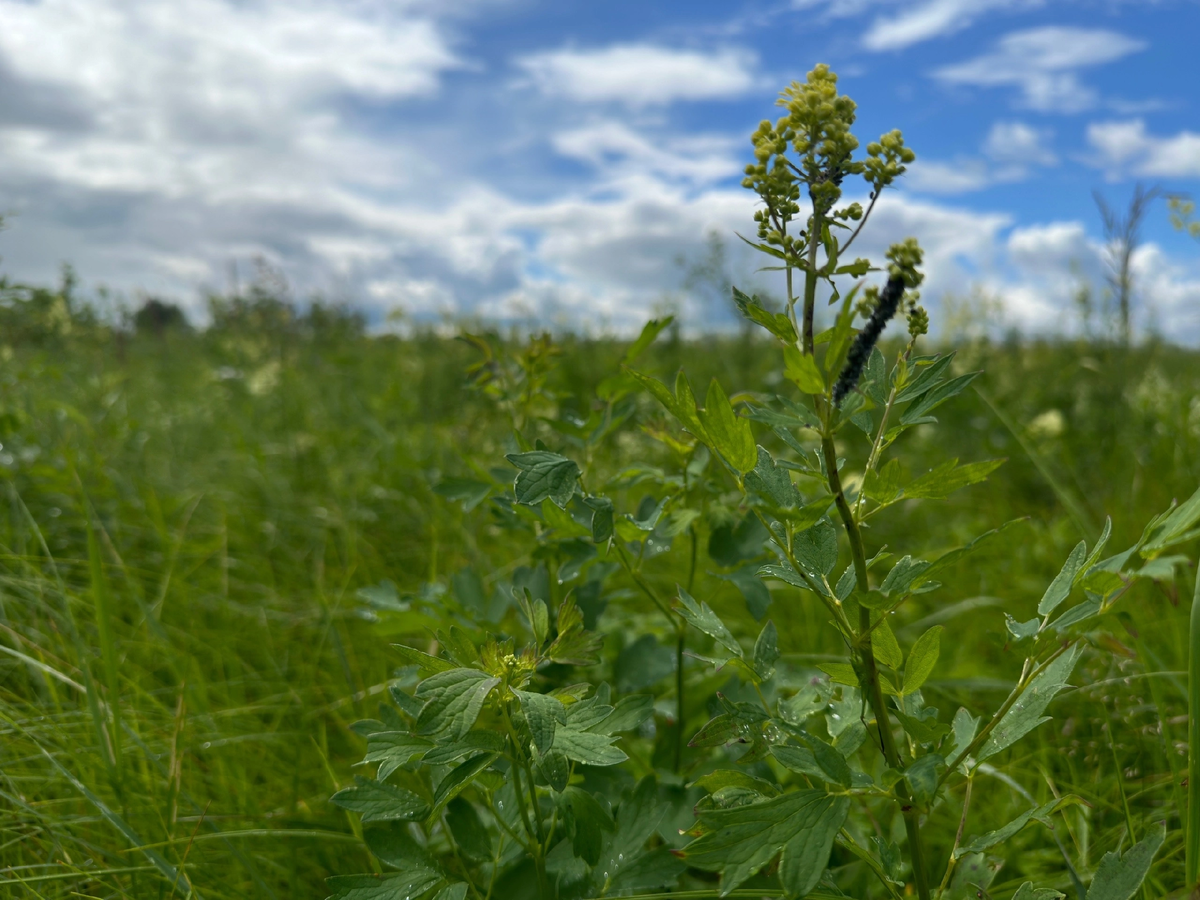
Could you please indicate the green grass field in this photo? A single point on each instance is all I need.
(178, 678)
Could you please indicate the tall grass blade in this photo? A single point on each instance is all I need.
(108, 648)
(1193, 810)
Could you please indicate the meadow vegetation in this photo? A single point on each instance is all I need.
(230, 556)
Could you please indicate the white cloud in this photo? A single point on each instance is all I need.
(958, 177)
(1043, 63)
(931, 19)
(1018, 144)
(1011, 149)
(619, 153)
(1127, 147)
(641, 74)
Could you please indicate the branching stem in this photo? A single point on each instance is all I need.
(870, 671)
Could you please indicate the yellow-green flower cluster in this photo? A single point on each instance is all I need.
(904, 259)
(886, 159)
(817, 128)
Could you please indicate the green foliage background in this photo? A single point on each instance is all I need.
(248, 481)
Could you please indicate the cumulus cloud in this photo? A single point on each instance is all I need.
(1043, 63)
(1010, 152)
(1126, 147)
(1019, 144)
(619, 154)
(641, 74)
(931, 19)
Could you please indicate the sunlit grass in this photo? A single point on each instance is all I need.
(177, 681)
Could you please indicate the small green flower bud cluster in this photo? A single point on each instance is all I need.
(868, 302)
(886, 159)
(775, 183)
(905, 258)
(918, 321)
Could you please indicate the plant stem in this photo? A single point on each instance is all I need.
(810, 279)
(537, 839)
(1193, 801)
(870, 672)
(962, 823)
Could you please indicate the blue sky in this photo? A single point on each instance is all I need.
(567, 162)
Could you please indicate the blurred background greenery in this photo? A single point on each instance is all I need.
(246, 481)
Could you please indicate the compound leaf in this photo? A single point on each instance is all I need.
(740, 841)
(543, 474)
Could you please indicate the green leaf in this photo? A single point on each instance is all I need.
(1026, 713)
(840, 673)
(588, 748)
(555, 768)
(455, 699)
(543, 474)
(699, 615)
(471, 744)
(1060, 587)
(807, 516)
(536, 614)
(1028, 892)
(883, 485)
(856, 269)
(901, 577)
(927, 376)
(1002, 834)
(589, 821)
(776, 323)
(379, 802)
(650, 331)
(1022, 630)
(602, 518)
(766, 651)
(625, 865)
(629, 714)
(1173, 528)
(719, 731)
(934, 398)
(452, 892)
(965, 725)
(426, 665)
(730, 436)
(381, 887)
(921, 730)
(1118, 878)
(887, 649)
(468, 830)
(829, 761)
(458, 780)
(772, 483)
(943, 480)
(1080, 612)
(393, 750)
(922, 776)
(801, 369)
(799, 759)
(574, 645)
(816, 548)
(393, 845)
(657, 389)
(758, 598)
(740, 841)
(723, 778)
(922, 658)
